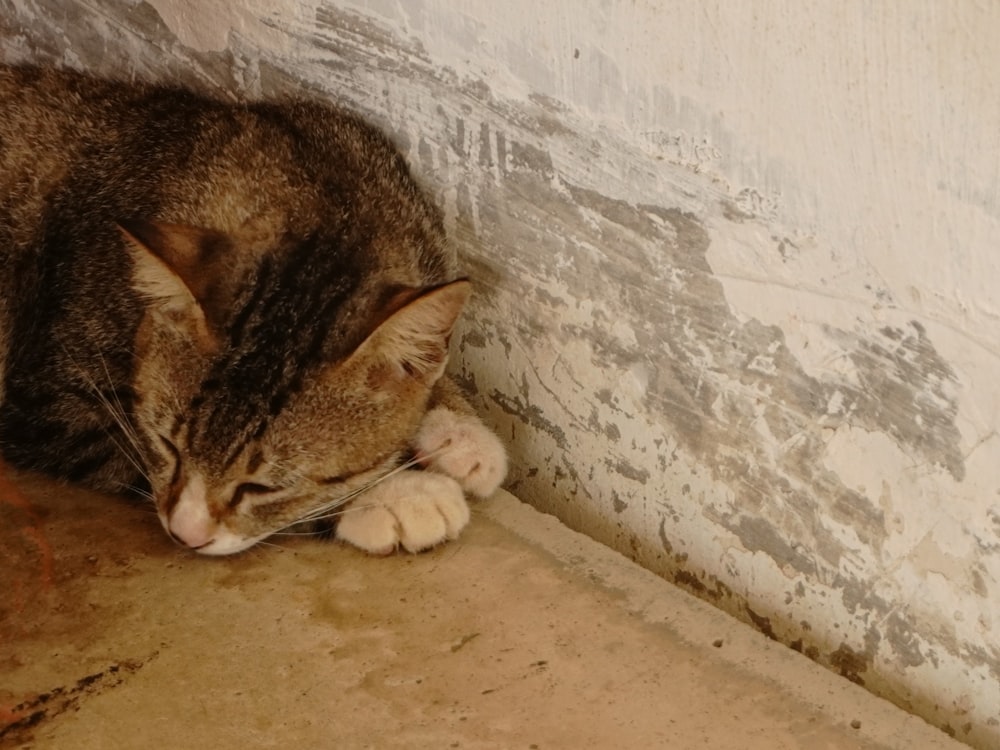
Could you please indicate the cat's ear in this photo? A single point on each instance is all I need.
(173, 266)
(413, 340)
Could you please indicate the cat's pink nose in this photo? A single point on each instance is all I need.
(194, 536)
(190, 521)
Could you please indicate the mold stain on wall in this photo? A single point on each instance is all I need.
(639, 404)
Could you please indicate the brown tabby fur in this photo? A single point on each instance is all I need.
(257, 293)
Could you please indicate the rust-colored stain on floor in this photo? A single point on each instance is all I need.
(26, 555)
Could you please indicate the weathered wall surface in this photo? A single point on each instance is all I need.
(737, 268)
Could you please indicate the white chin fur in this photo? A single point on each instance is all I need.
(225, 542)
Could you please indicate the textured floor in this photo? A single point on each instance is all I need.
(521, 635)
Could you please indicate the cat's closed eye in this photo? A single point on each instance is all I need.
(252, 488)
(175, 454)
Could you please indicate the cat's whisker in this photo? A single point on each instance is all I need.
(291, 529)
(263, 543)
(137, 491)
(334, 508)
(317, 513)
(120, 412)
(291, 471)
(342, 511)
(117, 412)
(116, 409)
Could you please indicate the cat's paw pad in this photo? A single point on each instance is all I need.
(413, 510)
(462, 447)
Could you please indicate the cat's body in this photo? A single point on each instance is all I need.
(242, 309)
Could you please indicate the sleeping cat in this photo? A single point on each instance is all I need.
(241, 311)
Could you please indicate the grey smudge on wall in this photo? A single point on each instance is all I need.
(907, 390)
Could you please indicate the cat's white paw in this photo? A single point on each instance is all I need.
(415, 510)
(462, 447)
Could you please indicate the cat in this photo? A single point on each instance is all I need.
(240, 311)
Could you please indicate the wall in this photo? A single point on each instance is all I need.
(736, 265)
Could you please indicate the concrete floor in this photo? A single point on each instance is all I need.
(522, 634)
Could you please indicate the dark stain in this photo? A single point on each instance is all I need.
(531, 158)
(549, 299)
(907, 390)
(763, 624)
(707, 587)
(855, 594)
(757, 534)
(625, 469)
(607, 347)
(485, 151)
(617, 503)
(616, 211)
(719, 589)
(898, 632)
(355, 37)
(850, 663)
(464, 641)
(978, 582)
(475, 339)
(608, 398)
(690, 581)
(531, 415)
(43, 707)
(662, 533)
(985, 656)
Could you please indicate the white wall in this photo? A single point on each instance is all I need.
(737, 266)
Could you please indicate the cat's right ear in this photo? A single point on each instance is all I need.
(169, 269)
(412, 342)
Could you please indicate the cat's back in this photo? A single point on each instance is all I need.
(84, 152)
(80, 154)
(273, 167)
(36, 145)
(59, 131)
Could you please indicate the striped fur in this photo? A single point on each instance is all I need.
(254, 299)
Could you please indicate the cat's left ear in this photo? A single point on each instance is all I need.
(413, 340)
(173, 265)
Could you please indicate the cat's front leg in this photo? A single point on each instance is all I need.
(459, 445)
(415, 510)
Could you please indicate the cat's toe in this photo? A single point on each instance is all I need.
(413, 510)
(454, 511)
(371, 528)
(436, 511)
(483, 474)
(463, 448)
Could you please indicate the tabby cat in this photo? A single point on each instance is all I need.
(241, 311)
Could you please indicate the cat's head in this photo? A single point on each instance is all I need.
(272, 381)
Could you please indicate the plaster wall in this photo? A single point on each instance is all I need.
(737, 268)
